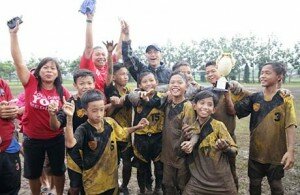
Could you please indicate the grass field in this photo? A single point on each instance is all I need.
(291, 180)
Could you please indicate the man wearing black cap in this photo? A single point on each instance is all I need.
(153, 55)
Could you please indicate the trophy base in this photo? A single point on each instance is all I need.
(220, 90)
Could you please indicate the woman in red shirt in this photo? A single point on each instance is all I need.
(42, 87)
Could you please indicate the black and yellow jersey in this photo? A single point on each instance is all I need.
(74, 161)
(209, 167)
(176, 115)
(268, 122)
(153, 112)
(122, 114)
(221, 113)
(209, 133)
(98, 150)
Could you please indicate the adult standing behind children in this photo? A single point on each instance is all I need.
(95, 58)
(41, 88)
(10, 168)
(153, 55)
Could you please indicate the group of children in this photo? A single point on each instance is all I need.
(190, 149)
(184, 129)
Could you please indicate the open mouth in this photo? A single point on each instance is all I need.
(101, 60)
(175, 90)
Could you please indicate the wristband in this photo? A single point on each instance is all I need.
(89, 21)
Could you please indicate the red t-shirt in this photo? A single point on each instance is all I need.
(100, 72)
(6, 126)
(36, 117)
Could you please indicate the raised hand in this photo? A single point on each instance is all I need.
(124, 27)
(68, 107)
(16, 29)
(110, 46)
(89, 16)
(53, 108)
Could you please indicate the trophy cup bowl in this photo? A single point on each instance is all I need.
(225, 63)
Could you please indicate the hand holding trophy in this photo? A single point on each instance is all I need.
(225, 63)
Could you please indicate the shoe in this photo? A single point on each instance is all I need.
(124, 190)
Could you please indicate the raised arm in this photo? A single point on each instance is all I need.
(69, 108)
(134, 65)
(118, 51)
(110, 46)
(88, 50)
(21, 68)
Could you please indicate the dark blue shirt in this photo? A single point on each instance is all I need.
(135, 66)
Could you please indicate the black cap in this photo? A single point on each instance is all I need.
(153, 46)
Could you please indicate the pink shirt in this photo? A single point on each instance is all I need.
(36, 117)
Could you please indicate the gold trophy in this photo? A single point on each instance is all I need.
(225, 63)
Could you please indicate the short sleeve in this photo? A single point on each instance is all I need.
(244, 107)
(224, 134)
(85, 63)
(120, 133)
(290, 117)
(189, 116)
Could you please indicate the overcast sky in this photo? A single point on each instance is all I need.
(56, 28)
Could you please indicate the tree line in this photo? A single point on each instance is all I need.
(250, 53)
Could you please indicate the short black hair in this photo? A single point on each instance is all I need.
(118, 66)
(278, 67)
(83, 73)
(206, 94)
(179, 64)
(91, 96)
(177, 72)
(143, 74)
(210, 63)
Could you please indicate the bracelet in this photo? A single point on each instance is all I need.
(89, 21)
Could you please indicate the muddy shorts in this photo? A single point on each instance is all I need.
(258, 170)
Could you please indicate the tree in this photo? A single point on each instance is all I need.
(7, 70)
(246, 74)
(72, 66)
